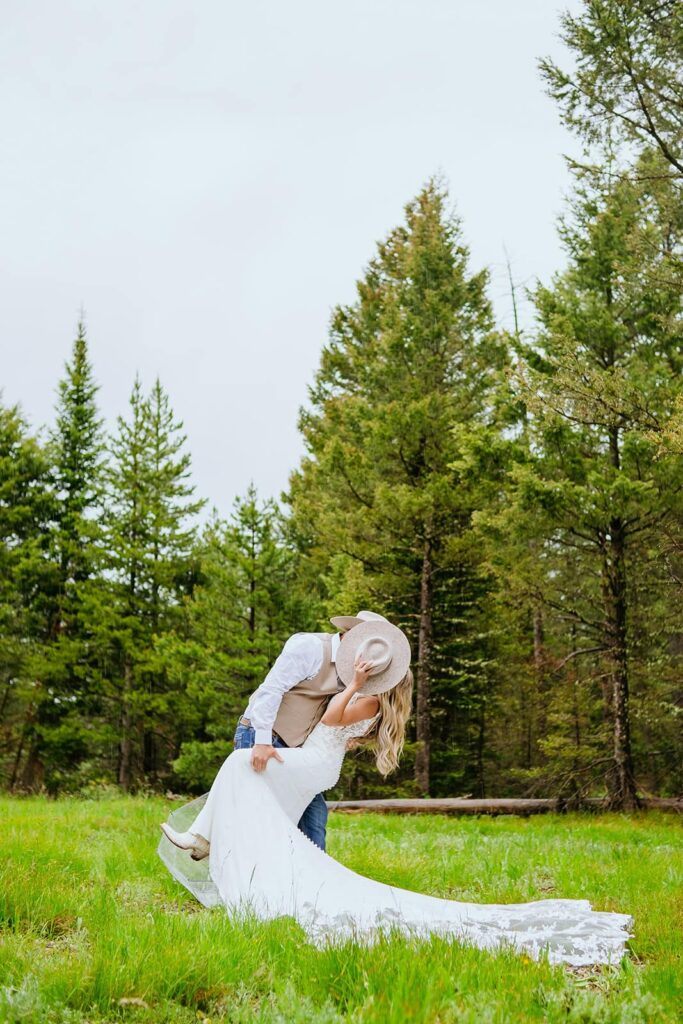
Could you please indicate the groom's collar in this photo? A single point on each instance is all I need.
(336, 640)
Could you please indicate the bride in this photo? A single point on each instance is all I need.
(239, 846)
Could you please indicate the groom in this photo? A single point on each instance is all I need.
(291, 700)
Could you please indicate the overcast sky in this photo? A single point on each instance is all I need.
(209, 178)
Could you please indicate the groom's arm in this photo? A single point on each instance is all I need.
(300, 658)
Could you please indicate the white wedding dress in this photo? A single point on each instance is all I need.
(259, 861)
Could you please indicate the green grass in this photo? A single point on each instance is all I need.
(89, 917)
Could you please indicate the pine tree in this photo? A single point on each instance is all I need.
(627, 76)
(247, 602)
(151, 537)
(604, 372)
(76, 450)
(377, 507)
(78, 455)
(27, 586)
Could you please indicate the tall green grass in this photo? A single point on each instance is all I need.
(94, 929)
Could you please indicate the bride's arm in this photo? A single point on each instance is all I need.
(338, 711)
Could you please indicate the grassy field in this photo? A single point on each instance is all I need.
(93, 928)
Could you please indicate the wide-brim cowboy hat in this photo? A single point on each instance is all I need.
(349, 621)
(379, 641)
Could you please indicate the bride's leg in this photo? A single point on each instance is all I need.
(203, 823)
(201, 826)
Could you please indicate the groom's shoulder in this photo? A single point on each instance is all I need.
(306, 635)
(305, 639)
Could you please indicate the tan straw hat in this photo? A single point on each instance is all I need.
(349, 621)
(379, 641)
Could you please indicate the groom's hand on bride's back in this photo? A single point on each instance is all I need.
(261, 753)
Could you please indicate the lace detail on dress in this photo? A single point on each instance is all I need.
(567, 931)
(330, 742)
(352, 732)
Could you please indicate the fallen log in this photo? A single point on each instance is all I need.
(502, 805)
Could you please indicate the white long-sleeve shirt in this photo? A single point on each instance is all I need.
(300, 658)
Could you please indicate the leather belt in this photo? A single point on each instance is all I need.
(247, 722)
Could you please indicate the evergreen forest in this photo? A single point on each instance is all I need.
(512, 499)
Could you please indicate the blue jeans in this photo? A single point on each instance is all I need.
(313, 822)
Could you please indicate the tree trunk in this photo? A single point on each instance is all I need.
(539, 641)
(149, 754)
(20, 750)
(624, 791)
(34, 769)
(621, 785)
(481, 744)
(424, 650)
(149, 743)
(125, 743)
(5, 698)
(535, 710)
(502, 805)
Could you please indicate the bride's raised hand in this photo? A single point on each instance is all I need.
(337, 710)
(362, 668)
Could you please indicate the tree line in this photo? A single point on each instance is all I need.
(513, 499)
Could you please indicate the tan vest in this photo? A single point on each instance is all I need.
(303, 706)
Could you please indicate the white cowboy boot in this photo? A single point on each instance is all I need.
(197, 845)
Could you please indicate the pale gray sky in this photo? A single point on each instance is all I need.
(208, 179)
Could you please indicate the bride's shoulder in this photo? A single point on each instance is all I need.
(364, 706)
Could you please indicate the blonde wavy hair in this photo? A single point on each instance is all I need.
(387, 733)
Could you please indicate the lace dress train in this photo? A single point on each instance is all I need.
(260, 861)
